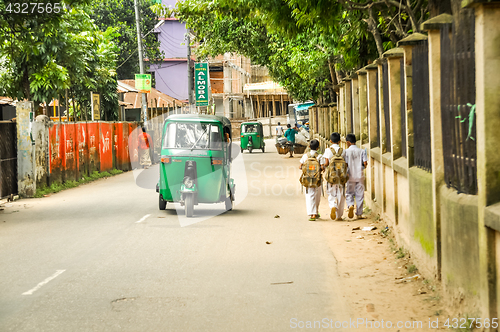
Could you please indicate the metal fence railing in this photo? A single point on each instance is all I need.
(458, 99)
(421, 107)
(403, 105)
(8, 158)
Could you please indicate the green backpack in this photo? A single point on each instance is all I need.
(311, 172)
(336, 172)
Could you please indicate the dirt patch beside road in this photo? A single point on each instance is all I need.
(378, 278)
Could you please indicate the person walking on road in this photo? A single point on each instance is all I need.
(355, 188)
(290, 136)
(279, 131)
(145, 141)
(336, 198)
(311, 165)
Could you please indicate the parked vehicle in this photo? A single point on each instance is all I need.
(196, 161)
(252, 136)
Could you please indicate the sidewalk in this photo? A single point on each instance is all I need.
(378, 279)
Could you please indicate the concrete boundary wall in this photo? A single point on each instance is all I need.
(67, 151)
(453, 238)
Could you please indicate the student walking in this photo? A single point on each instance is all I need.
(335, 177)
(311, 166)
(355, 188)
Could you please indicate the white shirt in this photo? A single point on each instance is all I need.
(355, 157)
(279, 131)
(328, 153)
(311, 153)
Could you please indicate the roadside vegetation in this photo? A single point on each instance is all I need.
(57, 187)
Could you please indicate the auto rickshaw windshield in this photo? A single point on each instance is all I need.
(249, 129)
(192, 135)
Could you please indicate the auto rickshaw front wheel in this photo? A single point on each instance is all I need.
(189, 204)
(162, 203)
(229, 203)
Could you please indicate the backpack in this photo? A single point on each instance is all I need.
(336, 172)
(311, 172)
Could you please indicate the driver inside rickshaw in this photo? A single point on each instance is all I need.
(250, 129)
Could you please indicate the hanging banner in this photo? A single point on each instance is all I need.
(95, 106)
(143, 83)
(201, 83)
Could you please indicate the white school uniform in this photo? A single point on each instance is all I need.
(355, 187)
(313, 195)
(336, 198)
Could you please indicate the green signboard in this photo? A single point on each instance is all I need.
(143, 82)
(201, 82)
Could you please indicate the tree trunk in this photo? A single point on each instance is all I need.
(438, 7)
(372, 26)
(26, 82)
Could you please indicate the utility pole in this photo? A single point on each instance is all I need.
(144, 105)
(190, 73)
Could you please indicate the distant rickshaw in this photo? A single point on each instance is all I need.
(252, 136)
(196, 162)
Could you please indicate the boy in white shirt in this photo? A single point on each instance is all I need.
(279, 132)
(313, 194)
(355, 187)
(336, 198)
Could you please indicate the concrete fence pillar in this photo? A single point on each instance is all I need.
(348, 105)
(393, 57)
(341, 116)
(26, 182)
(356, 126)
(363, 107)
(327, 121)
(487, 50)
(433, 27)
(381, 115)
(371, 104)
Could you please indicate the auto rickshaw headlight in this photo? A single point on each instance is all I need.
(188, 182)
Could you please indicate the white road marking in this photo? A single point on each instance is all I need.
(143, 218)
(37, 287)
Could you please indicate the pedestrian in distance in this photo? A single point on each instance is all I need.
(145, 142)
(311, 165)
(290, 136)
(336, 177)
(279, 131)
(356, 159)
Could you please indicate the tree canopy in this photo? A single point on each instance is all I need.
(307, 45)
(75, 46)
(120, 14)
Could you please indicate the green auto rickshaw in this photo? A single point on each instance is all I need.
(196, 161)
(252, 136)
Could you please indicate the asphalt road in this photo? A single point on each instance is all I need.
(102, 257)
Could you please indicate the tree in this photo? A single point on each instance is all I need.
(45, 55)
(307, 45)
(120, 14)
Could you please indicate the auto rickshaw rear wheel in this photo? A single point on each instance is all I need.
(189, 204)
(162, 203)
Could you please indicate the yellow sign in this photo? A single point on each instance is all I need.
(143, 83)
(96, 106)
